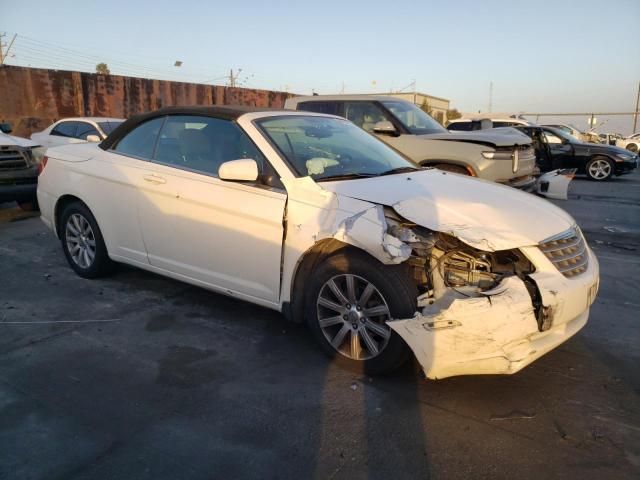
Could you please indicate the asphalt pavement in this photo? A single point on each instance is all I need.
(141, 377)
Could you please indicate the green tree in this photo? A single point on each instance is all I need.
(426, 108)
(102, 69)
(453, 114)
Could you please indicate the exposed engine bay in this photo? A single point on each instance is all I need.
(442, 261)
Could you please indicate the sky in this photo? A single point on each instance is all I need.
(542, 56)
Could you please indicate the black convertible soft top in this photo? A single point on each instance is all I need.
(227, 112)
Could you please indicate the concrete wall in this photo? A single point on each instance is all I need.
(33, 98)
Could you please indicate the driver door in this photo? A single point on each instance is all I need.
(226, 235)
(560, 152)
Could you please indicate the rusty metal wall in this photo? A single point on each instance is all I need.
(33, 98)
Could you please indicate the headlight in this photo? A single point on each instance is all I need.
(489, 155)
(624, 156)
(37, 153)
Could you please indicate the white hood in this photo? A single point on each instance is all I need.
(10, 141)
(482, 214)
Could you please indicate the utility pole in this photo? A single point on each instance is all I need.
(233, 79)
(4, 55)
(635, 115)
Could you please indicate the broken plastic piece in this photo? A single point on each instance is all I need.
(555, 184)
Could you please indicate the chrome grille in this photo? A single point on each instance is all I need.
(12, 158)
(568, 252)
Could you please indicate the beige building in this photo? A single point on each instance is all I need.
(439, 106)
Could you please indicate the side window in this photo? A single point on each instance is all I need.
(141, 141)
(85, 129)
(459, 126)
(551, 138)
(364, 114)
(65, 129)
(203, 144)
(331, 108)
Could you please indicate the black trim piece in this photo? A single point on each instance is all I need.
(225, 112)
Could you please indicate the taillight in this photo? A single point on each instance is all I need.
(42, 164)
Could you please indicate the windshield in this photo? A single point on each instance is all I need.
(562, 134)
(413, 118)
(330, 148)
(108, 127)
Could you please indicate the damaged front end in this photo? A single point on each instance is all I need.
(479, 311)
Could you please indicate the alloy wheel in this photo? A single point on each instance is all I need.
(81, 241)
(600, 169)
(352, 314)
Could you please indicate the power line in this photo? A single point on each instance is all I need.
(48, 53)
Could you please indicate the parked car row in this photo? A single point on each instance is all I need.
(308, 214)
(562, 146)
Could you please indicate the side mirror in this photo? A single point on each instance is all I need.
(93, 139)
(384, 128)
(6, 128)
(245, 170)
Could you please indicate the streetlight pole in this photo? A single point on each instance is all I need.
(635, 115)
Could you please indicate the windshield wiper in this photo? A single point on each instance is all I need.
(345, 176)
(393, 171)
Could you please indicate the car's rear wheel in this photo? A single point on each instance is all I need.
(599, 168)
(452, 168)
(632, 147)
(350, 299)
(82, 242)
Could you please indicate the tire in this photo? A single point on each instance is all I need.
(95, 261)
(632, 147)
(599, 169)
(391, 290)
(453, 169)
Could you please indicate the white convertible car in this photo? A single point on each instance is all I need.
(309, 215)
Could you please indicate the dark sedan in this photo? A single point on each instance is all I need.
(557, 149)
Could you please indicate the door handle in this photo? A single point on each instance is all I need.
(155, 179)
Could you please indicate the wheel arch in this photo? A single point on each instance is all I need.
(308, 261)
(602, 155)
(61, 204)
(457, 163)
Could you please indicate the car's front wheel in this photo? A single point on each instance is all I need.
(599, 168)
(350, 300)
(82, 242)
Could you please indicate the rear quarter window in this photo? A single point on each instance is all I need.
(459, 126)
(331, 108)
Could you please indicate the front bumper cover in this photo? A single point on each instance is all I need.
(497, 333)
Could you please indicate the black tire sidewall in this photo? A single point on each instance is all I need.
(613, 167)
(394, 284)
(102, 264)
